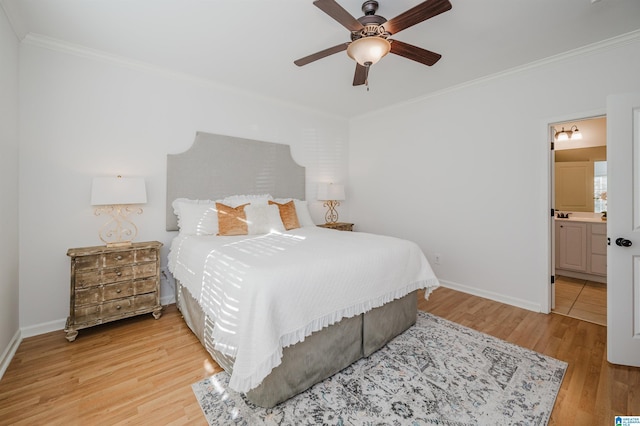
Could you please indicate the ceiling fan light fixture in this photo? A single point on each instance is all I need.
(368, 50)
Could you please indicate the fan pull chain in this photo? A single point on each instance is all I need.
(367, 65)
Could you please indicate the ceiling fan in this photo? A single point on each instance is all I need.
(370, 35)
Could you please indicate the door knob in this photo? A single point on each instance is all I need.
(623, 243)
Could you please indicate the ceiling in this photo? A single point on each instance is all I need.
(251, 44)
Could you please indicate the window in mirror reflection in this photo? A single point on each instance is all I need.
(600, 186)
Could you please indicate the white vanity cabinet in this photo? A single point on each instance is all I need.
(581, 249)
(571, 247)
(598, 249)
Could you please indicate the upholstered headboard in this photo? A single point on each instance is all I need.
(218, 166)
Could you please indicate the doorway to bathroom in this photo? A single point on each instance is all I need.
(579, 236)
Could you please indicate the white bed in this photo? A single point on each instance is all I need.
(282, 309)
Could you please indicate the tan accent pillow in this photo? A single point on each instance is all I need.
(288, 214)
(232, 220)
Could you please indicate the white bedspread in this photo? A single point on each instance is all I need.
(266, 292)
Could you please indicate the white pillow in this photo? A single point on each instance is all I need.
(263, 219)
(238, 200)
(302, 210)
(196, 217)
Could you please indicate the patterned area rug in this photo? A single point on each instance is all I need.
(435, 373)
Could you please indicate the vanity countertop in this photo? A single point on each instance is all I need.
(581, 219)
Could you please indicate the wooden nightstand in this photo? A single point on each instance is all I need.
(111, 283)
(340, 226)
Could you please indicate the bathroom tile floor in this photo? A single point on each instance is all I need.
(582, 299)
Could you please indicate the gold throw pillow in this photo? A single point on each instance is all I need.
(232, 220)
(288, 214)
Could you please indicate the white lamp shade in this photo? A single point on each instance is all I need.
(368, 50)
(331, 191)
(118, 190)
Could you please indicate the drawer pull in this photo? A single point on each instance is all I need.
(118, 307)
(118, 273)
(118, 291)
(118, 257)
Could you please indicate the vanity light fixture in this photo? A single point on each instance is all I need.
(115, 197)
(331, 194)
(572, 133)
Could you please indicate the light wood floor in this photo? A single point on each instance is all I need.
(582, 299)
(140, 371)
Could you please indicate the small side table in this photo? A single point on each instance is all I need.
(111, 283)
(340, 226)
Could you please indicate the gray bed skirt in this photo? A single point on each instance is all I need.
(320, 355)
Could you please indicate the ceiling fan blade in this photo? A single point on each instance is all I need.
(414, 53)
(417, 14)
(333, 9)
(321, 54)
(360, 76)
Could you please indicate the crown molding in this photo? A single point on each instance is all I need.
(597, 47)
(51, 43)
(14, 18)
(86, 52)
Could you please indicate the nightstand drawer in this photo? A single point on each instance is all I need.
(102, 293)
(132, 288)
(97, 314)
(88, 262)
(110, 260)
(105, 276)
(122, 307)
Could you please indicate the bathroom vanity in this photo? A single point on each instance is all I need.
(581, 247)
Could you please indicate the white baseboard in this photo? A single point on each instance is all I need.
(9, 352)
(520, 303)
(35, 330)
(45, 327)
(58, 325)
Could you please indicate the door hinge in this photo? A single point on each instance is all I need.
(553, 279)
(553, 212)
(553, 145)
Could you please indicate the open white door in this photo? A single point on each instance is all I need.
(623, 229)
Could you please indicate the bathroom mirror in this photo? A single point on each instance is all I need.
(581, 168)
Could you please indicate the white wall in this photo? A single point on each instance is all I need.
(9, 325)
(84, 115)
(465, 173)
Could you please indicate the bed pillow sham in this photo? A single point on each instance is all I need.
(196, 217)
(238, 200)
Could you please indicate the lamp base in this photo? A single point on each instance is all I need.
(332, 214)
(119, 226)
